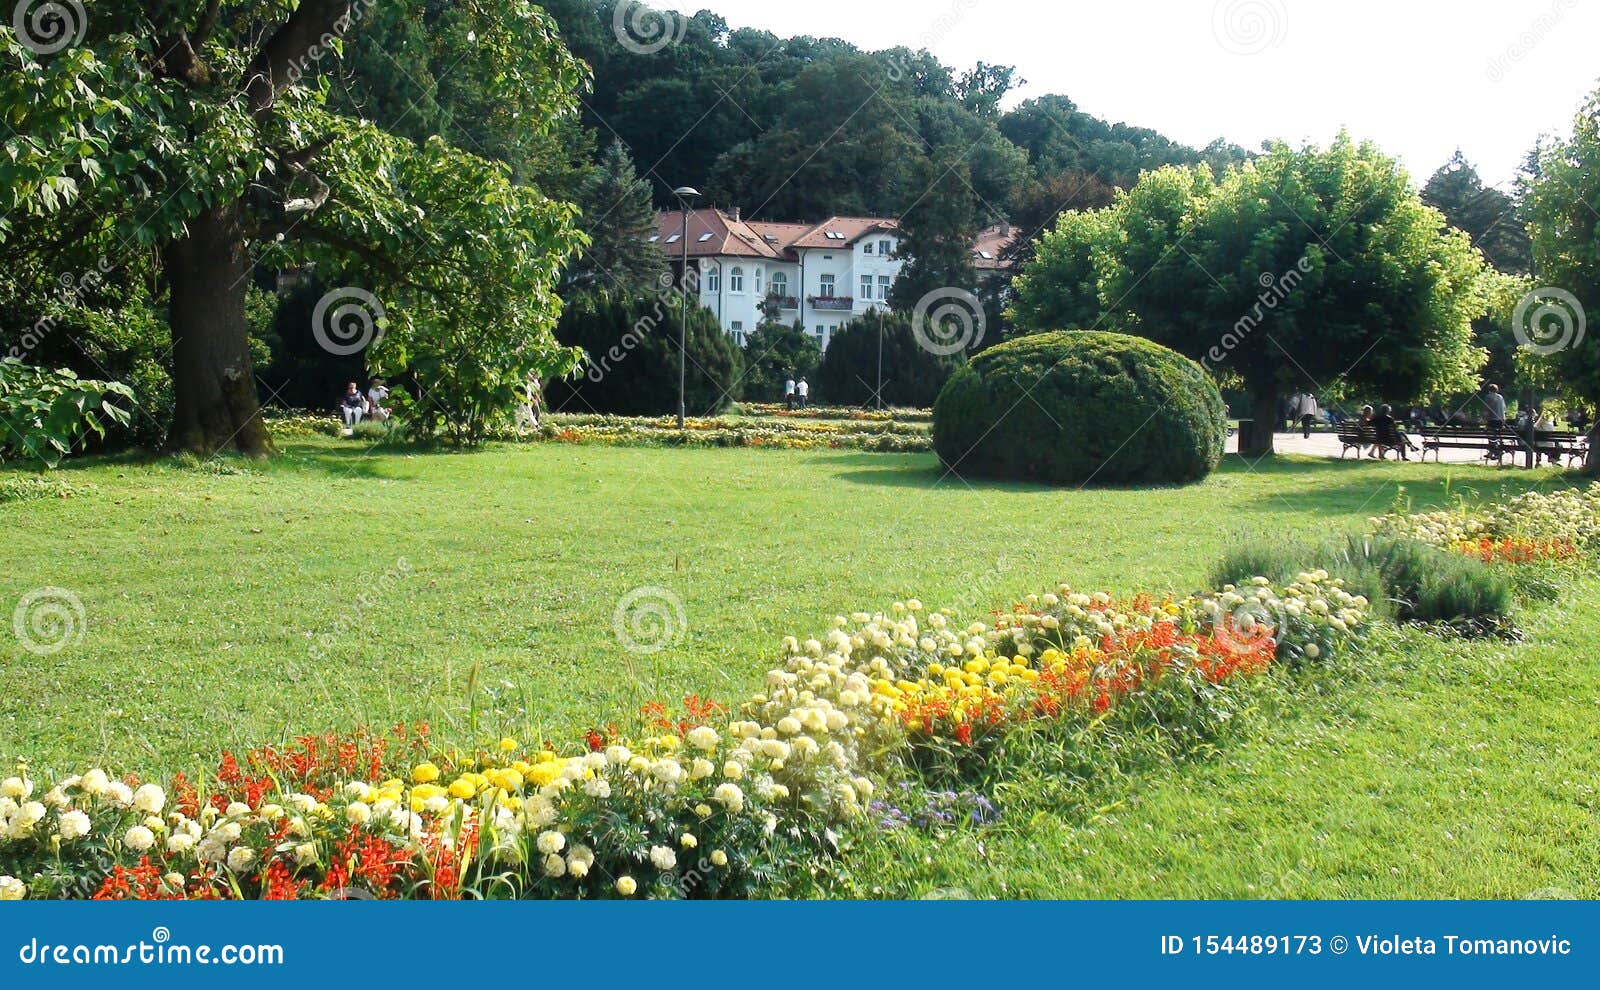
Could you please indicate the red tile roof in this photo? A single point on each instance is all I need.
(713, 233)
(989, 254)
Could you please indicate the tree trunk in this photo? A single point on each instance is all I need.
(1266, 411)
(1591, 463)
(216, 407)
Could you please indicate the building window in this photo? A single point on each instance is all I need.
(674, 238)
(713, 280)
(736, 280)
(884, 282)
(866, 248)
(827, 287)
(886, 247)
(866, 286)
(780, 285)
(821, 330)
(758, 281)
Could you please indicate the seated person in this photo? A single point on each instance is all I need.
(1390, 436)
(377, 395)
(352, 406)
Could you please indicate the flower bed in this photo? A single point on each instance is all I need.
(1532, 526)
(836, 412)
(706, 802)
(653, 433)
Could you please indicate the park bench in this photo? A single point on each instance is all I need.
(1353, 435)
(1495, 442)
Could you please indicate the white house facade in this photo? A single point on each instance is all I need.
(821, 275)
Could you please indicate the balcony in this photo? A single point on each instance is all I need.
(783, 302)
(841, 304)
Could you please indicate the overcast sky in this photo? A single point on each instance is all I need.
(1420, 77)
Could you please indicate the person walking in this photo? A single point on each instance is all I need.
(1306, 412)
(802, 391)
(788, 391)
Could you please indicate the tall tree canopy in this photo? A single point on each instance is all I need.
(1491, 217)
(1311, 268)
(1554, 322)
(195, 136)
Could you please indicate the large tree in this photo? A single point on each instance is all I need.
(196, 130)
(619, 219)
(1491, 217)
(1308, 268)
(1563, 208)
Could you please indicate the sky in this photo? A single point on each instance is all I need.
(1419, 77)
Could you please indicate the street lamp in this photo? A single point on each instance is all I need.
(684, 195)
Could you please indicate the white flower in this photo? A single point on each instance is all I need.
(729, 796)
(120, 793)
(663, 858)
(554, 865)
(241, 859)
(179, 843)
(73, 825)
(704, 737)
(732, 770)
(139, 839)
(150, 799)
(578, 868)
(95, 782)
(238, 809)
(599, 787)
(550, 843)
(305, 852)
(688, 841)
(57, 798)
(16, 788)
(12, 889)
(719, 858)
(358, 813)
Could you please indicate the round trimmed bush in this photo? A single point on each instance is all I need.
(1080, 407)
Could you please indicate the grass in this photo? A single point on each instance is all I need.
(1428, 768)
(491, 582)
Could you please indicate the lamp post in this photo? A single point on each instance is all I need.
(684, 195)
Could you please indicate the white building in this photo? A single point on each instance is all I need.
(822, 275)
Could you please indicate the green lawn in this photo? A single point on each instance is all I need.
(1439, 769)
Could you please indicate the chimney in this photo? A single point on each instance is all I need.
(735, 214)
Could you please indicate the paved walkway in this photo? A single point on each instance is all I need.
(1326, 444)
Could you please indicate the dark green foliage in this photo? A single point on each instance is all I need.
(1079, 407)
(45, 414)
(912, 375)
(771, 353)
(632, 366)
(618, 218)
(1490, 216)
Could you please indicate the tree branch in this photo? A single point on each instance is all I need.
(283, 56)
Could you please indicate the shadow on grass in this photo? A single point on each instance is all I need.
(1344, 487)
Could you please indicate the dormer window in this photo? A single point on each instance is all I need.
(673, 239)
(705, 237)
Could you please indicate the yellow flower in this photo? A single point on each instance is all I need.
(543, 774)
(626, 886)
(424, 773)
(507, 744)
(719, 858)
(462, 789)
